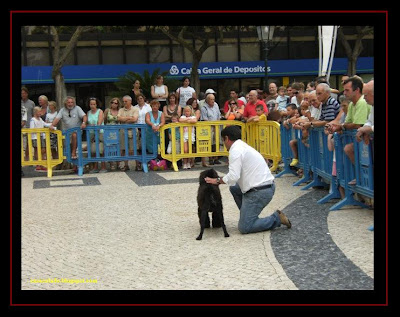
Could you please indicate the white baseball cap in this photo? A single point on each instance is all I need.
(210, 91)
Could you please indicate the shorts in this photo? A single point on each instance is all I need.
(122, 139)
(93, 144)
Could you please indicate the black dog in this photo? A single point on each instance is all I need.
(209, 200)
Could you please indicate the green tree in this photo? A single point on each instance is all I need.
(188, 36)
(125, 82)
(352, 53)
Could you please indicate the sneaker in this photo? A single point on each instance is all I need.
(38, 168)
(284, 220)
(217, 162)
(294, 162)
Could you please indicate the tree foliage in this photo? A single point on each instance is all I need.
(125, 82)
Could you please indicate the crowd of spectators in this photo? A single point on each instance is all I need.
(293, 106)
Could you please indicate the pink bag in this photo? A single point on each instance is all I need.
(158, 165)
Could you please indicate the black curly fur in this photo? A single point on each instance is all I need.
(209, 200)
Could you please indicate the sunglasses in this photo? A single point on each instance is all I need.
(233, 103)
(295, 92)
(114, 102)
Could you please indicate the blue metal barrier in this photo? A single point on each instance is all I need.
(287, 154)
(304, 155)
(321, 163)
(107, 142)
(346, 171)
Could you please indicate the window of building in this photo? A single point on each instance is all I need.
(159, 54)
(250, 51)
(228, 52)
(113, 55)
(38, 57)
(88, 55)
(136, 55)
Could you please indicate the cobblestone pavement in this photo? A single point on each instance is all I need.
(136, 231)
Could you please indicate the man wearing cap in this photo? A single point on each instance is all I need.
(250, 109)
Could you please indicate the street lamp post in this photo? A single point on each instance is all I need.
(265, 34)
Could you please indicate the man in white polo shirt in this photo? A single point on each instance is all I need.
(251, 184)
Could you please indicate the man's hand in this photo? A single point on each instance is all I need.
(212, 181)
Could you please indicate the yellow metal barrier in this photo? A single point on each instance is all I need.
(265, 137)
(47, 162)
(208, 133)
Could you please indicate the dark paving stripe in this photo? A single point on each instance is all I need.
(89, 181)
(307, 252)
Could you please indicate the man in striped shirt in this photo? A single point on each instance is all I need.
(329, 109)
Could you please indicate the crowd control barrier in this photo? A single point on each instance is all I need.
(265, 137)
(287, 155)
(207, 139)
(104, 144)
(49, 162)
(362, 170)
(321, 161)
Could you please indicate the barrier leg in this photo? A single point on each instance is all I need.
(286, 170)
(315, 182)
(348, 200)
(80, 170)
(334, 194)
(304, 179)
(371, 228)
(145, 167)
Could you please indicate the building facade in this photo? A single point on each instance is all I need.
(238, 62)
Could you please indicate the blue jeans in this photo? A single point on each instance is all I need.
(251, 204)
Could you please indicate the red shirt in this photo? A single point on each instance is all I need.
(250, 109)
(240, 103)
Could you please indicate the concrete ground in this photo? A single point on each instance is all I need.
(136, 231)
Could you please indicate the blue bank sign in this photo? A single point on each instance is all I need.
(221, 70)
(216, 70)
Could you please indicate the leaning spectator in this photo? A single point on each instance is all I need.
(44, 105)
(28, 105)
(38, 123)
(341, 117)
(127, 115)
(291, 118)
(260, 115)
(71, 116)
(233, 112)
(298, 93)
(368, 128)
(111, 118)
(188, 117)
(357, 113)
(329, 107)
(233, 94)
(154, 120)
(282, 100)
(210, 112)
(96, 117)
(272, 92)
(50, 116)
(193, 102)
(250, 109)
